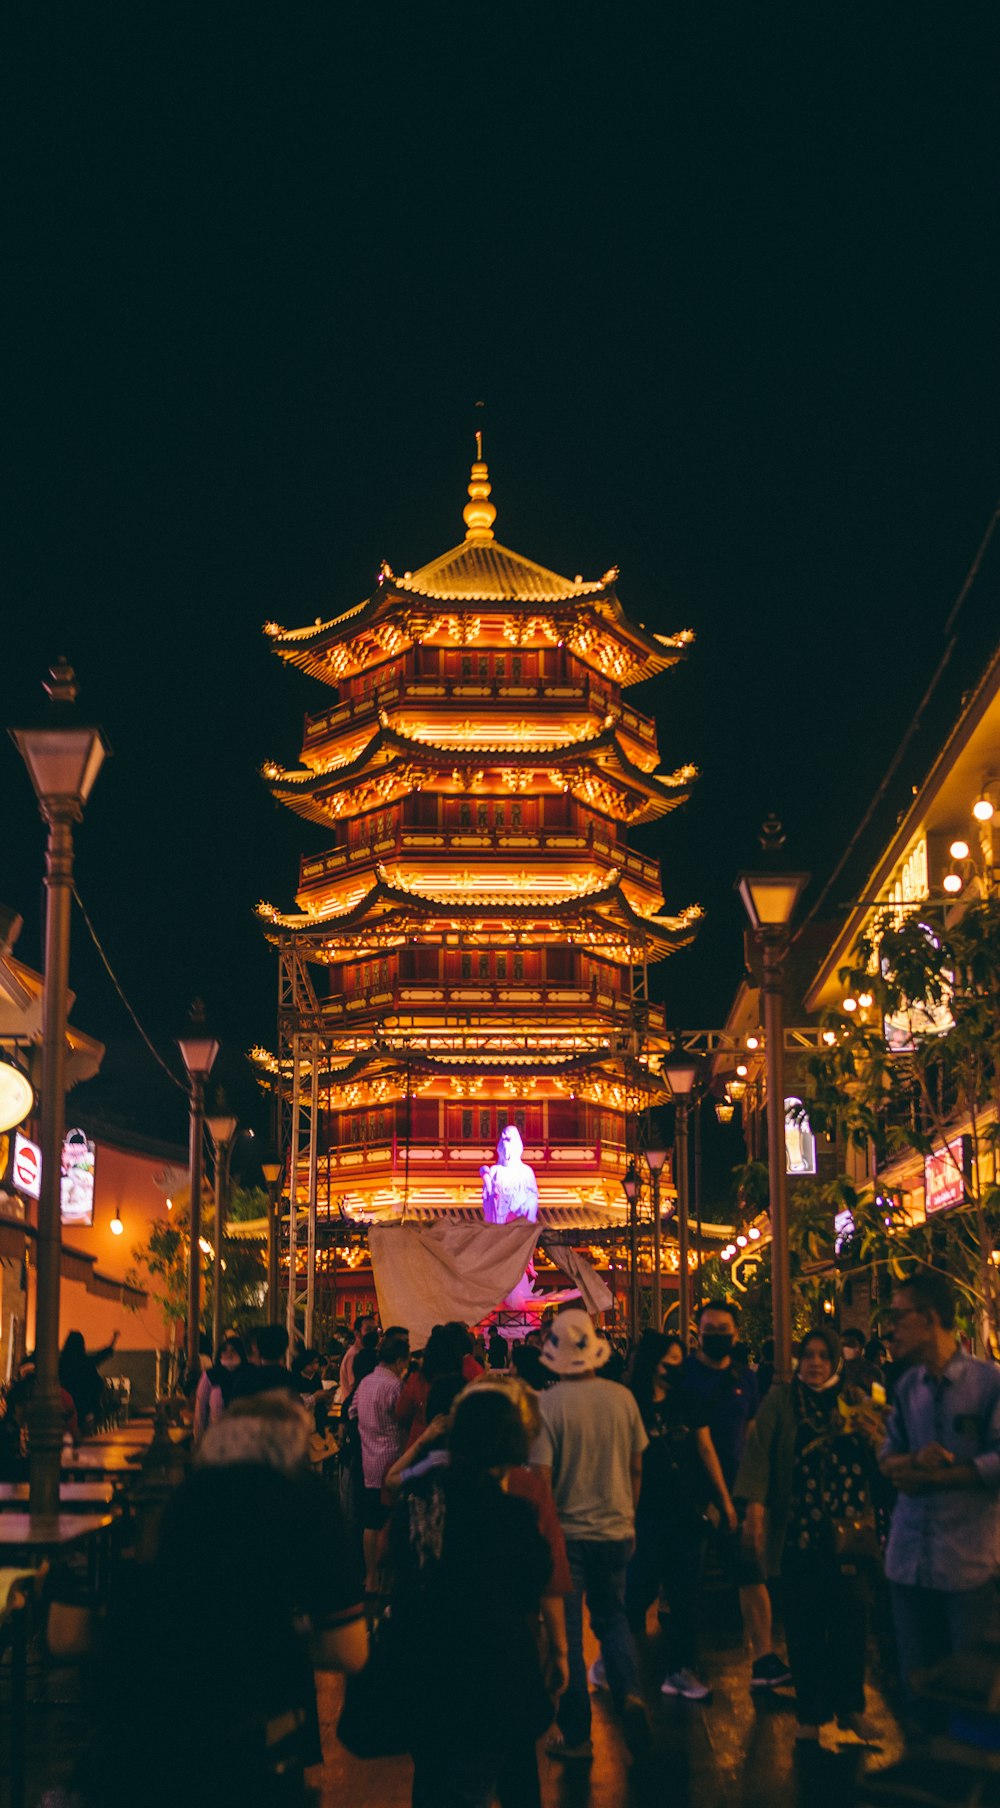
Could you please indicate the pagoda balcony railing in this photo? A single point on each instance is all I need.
(390, 1155)
(467, 690)
(565, 998)
(315, 869)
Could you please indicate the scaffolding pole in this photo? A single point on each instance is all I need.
(313, 1194)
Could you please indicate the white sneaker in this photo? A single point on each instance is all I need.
(597, 1676)
(686, 1683)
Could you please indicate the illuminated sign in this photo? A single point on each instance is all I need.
(77, 1181)
(77, 1188)
(26, 1172)
(748, 1269)
(16, 1095)
(800, 1143)
(843, 1232)
(911, 884)
(945, 1174)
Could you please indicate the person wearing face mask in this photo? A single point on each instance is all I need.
(729, 1394)
(669, 1525)
(216, 1386)
(809, 1473)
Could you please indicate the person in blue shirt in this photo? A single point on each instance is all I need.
(942, 1452)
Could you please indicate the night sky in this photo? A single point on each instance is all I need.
(726, 279)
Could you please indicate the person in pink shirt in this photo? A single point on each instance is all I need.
(374, 1408)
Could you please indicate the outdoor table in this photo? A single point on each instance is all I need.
(42, 1537)
(89, 1462)
(74, 1497)
(133, 1436)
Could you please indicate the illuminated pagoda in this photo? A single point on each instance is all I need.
(473, 947)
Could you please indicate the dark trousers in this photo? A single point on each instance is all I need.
(598, 1573)
(826, 1626)
(446, 1777)
(668, 1557)
(931, 1624)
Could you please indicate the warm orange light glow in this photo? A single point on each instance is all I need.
(469, 948)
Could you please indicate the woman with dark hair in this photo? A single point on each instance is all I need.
(810, 1464)
(79, 1374)
(448, 1352)
(352, 1480)
(466, 1554)
(215, 1387)
(669, 1524)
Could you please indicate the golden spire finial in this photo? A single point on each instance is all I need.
(479, 513)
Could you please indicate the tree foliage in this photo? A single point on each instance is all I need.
(914, 1063)
(164, 1256)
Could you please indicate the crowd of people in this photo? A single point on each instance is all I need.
(473, 1493)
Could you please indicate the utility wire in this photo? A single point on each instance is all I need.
(914, 724)
(157, 1057)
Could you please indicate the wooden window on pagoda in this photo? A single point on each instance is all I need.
(501, 968)
(518, 965)
(515, 815)
(482, 816)
(499, 816)
(465, 816)
(483, 1123)
(484, 967)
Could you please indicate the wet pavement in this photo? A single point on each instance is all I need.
(738, 1751)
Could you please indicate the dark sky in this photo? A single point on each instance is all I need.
(726, 277)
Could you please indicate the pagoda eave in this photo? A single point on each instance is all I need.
(672, 932)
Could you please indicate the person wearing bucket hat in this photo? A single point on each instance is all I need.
(590, 1447)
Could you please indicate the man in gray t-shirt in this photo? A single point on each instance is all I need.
(590, 1447)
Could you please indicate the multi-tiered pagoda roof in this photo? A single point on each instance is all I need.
(473, 946)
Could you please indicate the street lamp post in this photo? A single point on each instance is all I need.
(199, 1050)
(222, 1129)
(655, 1158)
(769, 896)
(630, 1187)
(63, 758)
(272, 1172)
(682, 1073)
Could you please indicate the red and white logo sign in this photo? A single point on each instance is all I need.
(944, 1176)
(27, 1169)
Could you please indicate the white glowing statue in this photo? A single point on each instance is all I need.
(510, 1189)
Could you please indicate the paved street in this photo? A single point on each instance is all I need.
(736, 1753)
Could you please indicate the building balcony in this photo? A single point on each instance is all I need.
(465, 1159)
(595, 699)
(504, 1003)
(316, 871)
